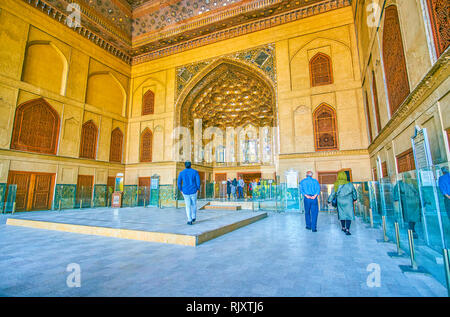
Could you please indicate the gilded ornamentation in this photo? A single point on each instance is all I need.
(262, 57)
(229, 95)
(136, 36)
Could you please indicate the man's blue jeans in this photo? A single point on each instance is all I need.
(241, 192)
(311, 212)
(191, 206)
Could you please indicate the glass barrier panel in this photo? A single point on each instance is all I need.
(167, 195)
(388, 205)
(143, 195)
(292, 198)
(10, 198)
(209, 188)
(419, 206)
(130, 196)
(431, 212)
(65, 196)
(100, 195)
(375, 204)
(325, 191)
(442, 177)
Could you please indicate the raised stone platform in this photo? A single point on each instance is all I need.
(215, 207)
(166, 225)
(231, 204)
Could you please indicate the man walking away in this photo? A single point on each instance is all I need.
(189, 184)
(310, 189)
(241, 185)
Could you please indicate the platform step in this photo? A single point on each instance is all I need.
(223, 207)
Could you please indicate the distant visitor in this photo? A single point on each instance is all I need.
(189, 185)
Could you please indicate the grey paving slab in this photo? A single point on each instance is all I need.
(275, 256)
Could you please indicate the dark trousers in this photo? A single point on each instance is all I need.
(240, 192)
(346, 224)
(447, 206)
(311, 212)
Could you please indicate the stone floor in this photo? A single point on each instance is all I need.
(275, 256)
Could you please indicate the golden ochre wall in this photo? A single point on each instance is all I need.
(295, 43)
(428, 105)
(86, 83)
(40, 58)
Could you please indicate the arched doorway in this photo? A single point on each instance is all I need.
(233, 104)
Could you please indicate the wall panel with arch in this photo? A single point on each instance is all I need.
(158, 144)
(336, 45)
(143, 88)
(106, 92)
(45, 66)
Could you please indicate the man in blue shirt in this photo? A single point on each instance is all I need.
(189, 184)
(444, 186)
(310, 189)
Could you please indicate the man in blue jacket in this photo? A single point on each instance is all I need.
(310, 189)
(189, 184)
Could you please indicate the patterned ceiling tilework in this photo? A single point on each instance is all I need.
(92, 27)
(164, 37)
(112, 13)
(178, 24)
(262, 57)
(175, 13)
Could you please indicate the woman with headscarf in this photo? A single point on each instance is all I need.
(346, 195)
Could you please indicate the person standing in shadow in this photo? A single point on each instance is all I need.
(228, 188)
(233, 188)
(346, 196)
(310, 189)
(189, 185)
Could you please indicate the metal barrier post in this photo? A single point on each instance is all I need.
(59, 207)
(397, 238)
(371, 217)
(14, 208)
(81, 203)
(412, 251)
(399, 252)
(386, 239)
(447, 269)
